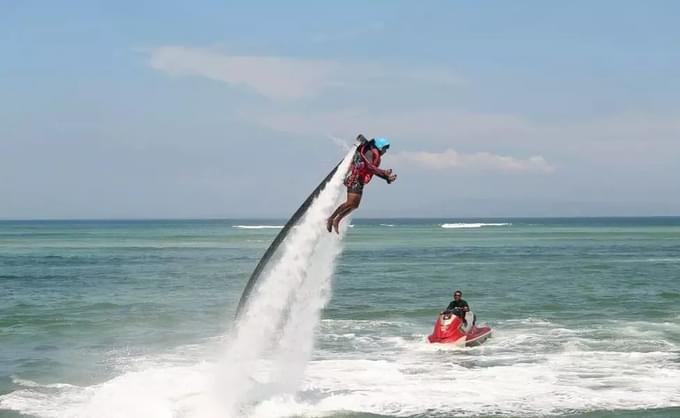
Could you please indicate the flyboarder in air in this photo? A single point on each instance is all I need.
(365, 164)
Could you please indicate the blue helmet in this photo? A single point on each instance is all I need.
(382, 143)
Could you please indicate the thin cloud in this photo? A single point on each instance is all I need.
(628, 136)
(277, 78)
(422, 124)
(452, 159)
(287, 78)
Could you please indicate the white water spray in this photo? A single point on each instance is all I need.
(267, 352)
(274, 337)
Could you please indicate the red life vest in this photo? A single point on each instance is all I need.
(361, 167)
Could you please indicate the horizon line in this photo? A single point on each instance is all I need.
(358, 218)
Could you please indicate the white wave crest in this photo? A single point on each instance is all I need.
(472, 225)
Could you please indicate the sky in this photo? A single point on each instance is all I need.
(211, 109)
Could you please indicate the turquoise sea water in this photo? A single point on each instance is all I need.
(96, 316)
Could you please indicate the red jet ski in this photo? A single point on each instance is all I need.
(458, 327)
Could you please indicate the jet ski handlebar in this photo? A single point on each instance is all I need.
(460, 312)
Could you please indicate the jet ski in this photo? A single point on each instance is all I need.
(459, 328)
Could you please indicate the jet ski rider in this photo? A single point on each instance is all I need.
(458, 305)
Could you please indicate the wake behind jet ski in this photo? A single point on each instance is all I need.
(457, 325)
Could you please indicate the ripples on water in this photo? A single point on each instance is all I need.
(118, 319)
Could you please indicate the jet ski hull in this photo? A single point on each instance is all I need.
(452, 329)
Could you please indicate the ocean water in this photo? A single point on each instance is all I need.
(130, 318)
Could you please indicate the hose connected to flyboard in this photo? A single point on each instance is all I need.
(299, 213)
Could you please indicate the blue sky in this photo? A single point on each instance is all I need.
(233, 109)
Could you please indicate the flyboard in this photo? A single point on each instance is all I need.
(255, 276)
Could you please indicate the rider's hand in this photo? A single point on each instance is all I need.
(390, 177)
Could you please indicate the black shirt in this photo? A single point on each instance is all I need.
(457, 304)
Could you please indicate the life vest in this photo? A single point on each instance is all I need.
(360, 168)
